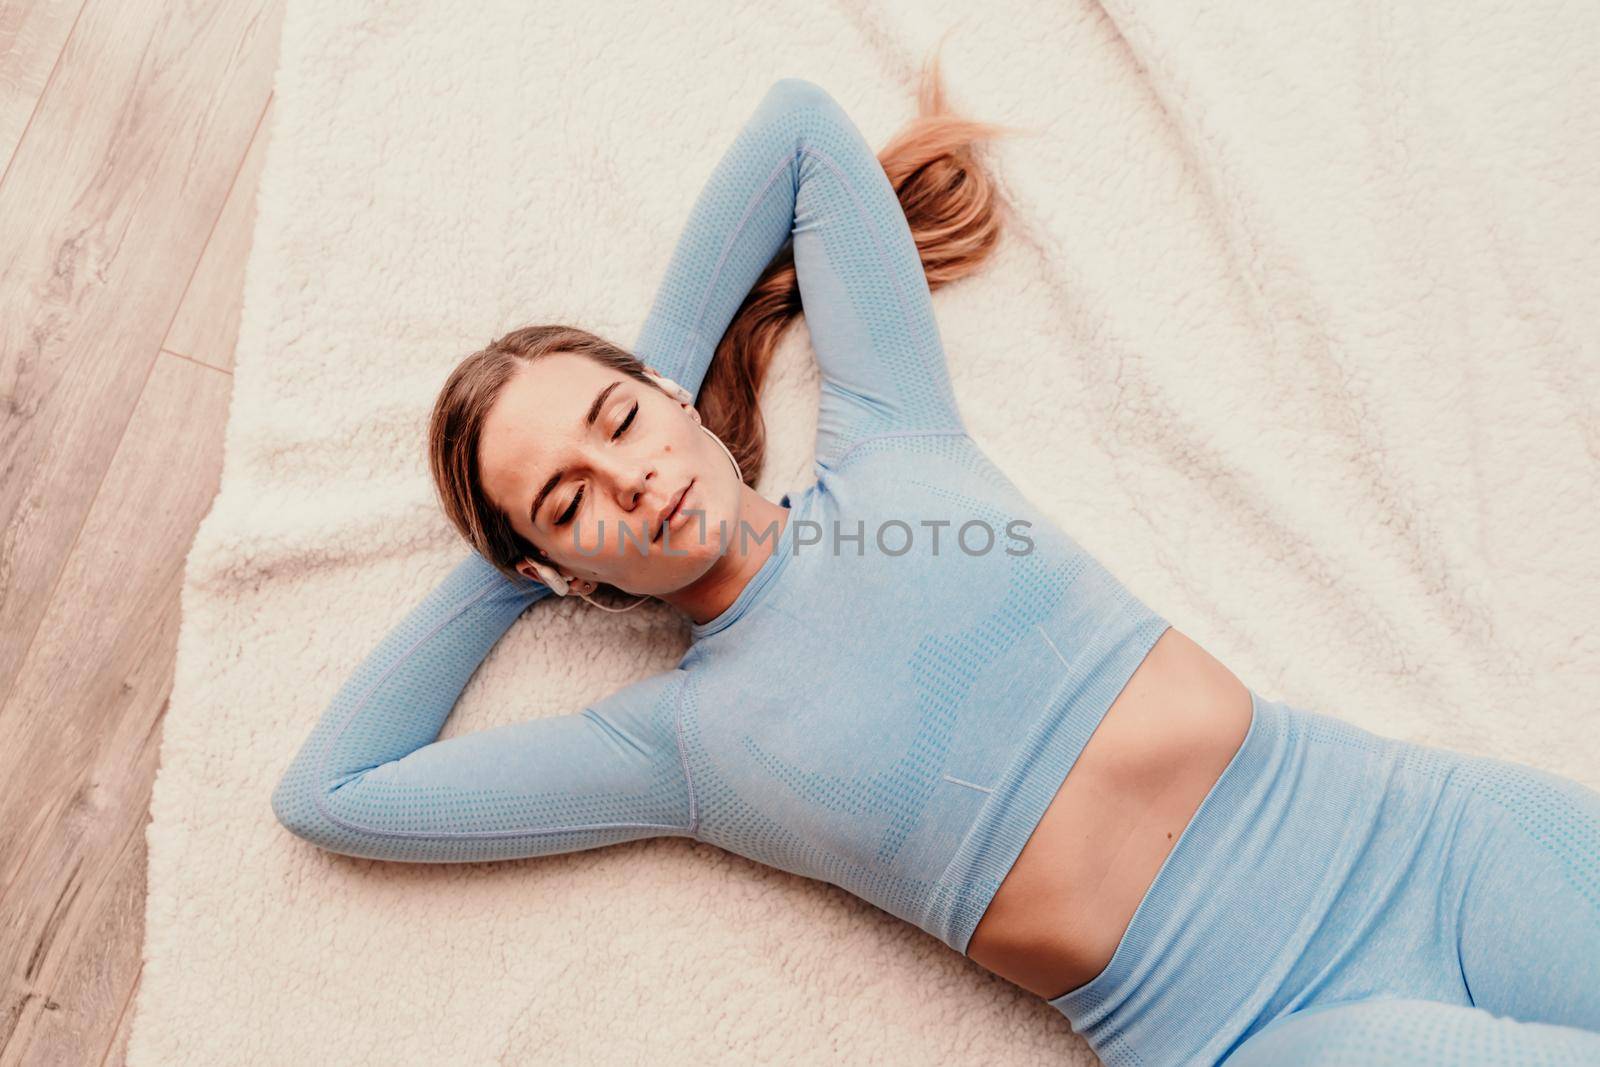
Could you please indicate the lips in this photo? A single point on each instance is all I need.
(670, 513)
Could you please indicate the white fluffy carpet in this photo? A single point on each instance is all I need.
(1303, 309)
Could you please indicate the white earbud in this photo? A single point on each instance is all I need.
(551, 577)
(561, 584)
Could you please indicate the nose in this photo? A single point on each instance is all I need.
(629, 477)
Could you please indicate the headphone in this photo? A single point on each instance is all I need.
(563, 584)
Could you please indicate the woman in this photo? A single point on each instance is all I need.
(892, 673)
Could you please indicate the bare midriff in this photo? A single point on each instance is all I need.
(1062, 909)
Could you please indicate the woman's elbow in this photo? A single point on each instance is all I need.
(294, 802)
(296, 812)
(799, 92)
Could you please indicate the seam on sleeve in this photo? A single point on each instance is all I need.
(674, 364)
(727, 247)
(869, 224)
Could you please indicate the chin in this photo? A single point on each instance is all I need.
(674, 564)
(681, 570)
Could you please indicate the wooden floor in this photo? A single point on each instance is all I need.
(131, 137)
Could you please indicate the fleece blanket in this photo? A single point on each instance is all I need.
(1294, 328)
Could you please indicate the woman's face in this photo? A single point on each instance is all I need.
(586, 460)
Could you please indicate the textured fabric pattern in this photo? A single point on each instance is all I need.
(913, 670)
(947, 690)
(1330, 867)
(1414, 1033)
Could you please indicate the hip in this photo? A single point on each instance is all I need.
(1331, 864)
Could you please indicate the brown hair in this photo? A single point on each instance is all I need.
(954, 212)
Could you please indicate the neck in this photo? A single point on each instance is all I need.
(710, 595)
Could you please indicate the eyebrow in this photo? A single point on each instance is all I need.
(588, 421)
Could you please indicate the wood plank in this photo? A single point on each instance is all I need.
(117, 1053)
(84, 739)
(207, 326)
(32, 34)
(104, 212)
(92, 947)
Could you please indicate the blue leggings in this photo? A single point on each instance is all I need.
(1346, 898)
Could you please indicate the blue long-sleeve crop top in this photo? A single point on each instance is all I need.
(890, 703)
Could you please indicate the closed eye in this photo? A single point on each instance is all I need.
(622, 428)
(626, 422)
(566, 516)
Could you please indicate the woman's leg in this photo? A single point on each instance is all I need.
(1514, 865)
(1529, 926)
(1475, 883)
(1412, 1033)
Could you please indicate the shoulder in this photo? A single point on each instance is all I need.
(652, 698)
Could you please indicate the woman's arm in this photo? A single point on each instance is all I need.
(372, 781)
(800, 168)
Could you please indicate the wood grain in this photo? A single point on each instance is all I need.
(86, 713)
(31, 36)
(132, 137)
(105, 212)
